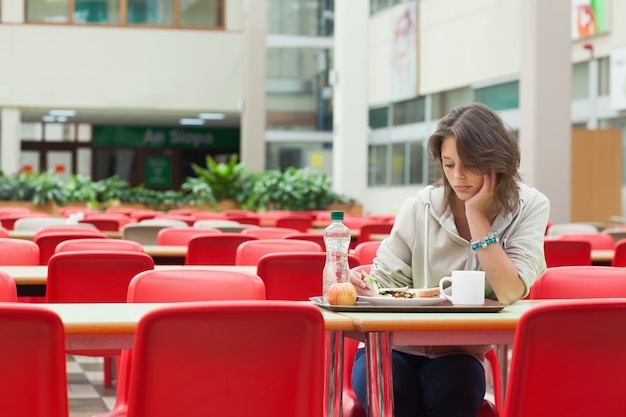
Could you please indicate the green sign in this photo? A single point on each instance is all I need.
(166, 137)
(158, 171)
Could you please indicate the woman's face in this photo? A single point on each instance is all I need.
(464, 182)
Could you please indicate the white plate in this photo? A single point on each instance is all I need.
(392, 301)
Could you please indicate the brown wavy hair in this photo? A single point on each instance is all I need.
(484, 145)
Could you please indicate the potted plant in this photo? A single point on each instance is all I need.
(225, 180)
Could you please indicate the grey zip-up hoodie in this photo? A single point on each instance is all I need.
(424, 246)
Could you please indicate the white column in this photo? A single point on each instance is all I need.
(350, 110)
(545, 100)
(253, 100)
(10, 140)
(12, 11)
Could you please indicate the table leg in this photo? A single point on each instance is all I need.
(334, 376)
(503, 357)
(379, 374)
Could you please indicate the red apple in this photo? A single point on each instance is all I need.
(341, 294)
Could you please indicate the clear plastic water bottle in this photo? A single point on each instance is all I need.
(337, 240)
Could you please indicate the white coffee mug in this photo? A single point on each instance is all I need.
(467, 287)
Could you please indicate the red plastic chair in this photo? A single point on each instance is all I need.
(547, 375)
(48, 241)
(18, 252)
(580, 282)
(619, 257)
(268, 232)
(288, 343)
(218, 249)
(94, 277)
(90, 244)
(169, 286)
(143, 233)
(188, 219)
(249, 253)
(366, 251)
(32, 360)
(300, 222)
(369, 229)
(566, 252)
(180, 236)
(8, 289)
(8, 219)
(76, 228)
(245, 218)
(4, 232)
(597, 240)
(294, 275)
(313, 237)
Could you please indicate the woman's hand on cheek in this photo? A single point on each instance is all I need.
(483, 199)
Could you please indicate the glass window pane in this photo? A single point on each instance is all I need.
(300, 17)
(499, 97)
(53, 132)
(96, 11)
(397, 163)
(604, 83)
(60, 163)
(443, 103)
(379, 117)
(580, 80)
(47, 11)
(377, 166)
(29, 162)
(83, 161)
(200, 13)
(83, 133)
(32, 131)
(298, 93)
(150, 12)
(412, 111)
(416, 163)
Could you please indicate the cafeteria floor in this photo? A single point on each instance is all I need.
(88, 397)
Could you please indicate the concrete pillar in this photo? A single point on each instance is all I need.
(10, 140)
(253, 100)
(545, 100)
(350, 111)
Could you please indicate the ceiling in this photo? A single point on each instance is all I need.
(132, 117)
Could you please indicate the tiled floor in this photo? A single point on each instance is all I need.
(87, 395)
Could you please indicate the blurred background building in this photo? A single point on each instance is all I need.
(351, 88)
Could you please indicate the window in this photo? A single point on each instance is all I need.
(604, 81)
(580, 80)
(416, 163)
(412, 111)
(444, 102)
(379, 117)
(377, 166)
(499, 97)
(174, 13)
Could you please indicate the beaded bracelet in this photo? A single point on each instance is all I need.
(486, 241)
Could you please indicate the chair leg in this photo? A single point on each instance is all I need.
(109, 371)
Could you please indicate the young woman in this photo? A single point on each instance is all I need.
(480, 216)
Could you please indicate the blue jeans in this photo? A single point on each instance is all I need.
(448, 386)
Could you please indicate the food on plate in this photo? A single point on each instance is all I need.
(341, 294)
(407, 292)
(370, 282)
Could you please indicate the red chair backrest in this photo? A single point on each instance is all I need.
(566, 252)
(48, 242)
(366, 251)
(249, 253)
(549, 338)
(179, 236)
(597, 240)
(268, 232)
(373, 228)
(619, 257)
(313, 237)
(301, 223)
(4, 232)
(288, 341)
(34, 379)
(294, 275)
(108, 225)
(89, 244)
(18, 252)
(218, 249)
(580, 282)
(8, 289)
(93, 276)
